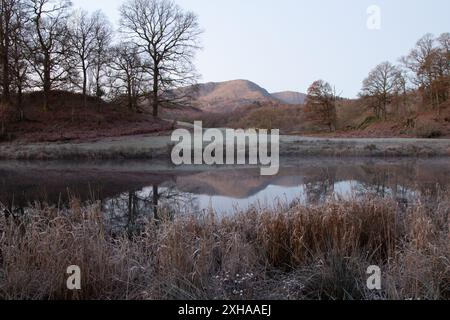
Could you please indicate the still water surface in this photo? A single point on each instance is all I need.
(140, 187)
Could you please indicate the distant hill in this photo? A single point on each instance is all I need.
(290, 97)
(228, 96)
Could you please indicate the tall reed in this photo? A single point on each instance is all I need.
(290, 252)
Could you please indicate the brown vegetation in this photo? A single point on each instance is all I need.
(69, 120)
(321, 104)
(411, 121)
(293, 252)
(353, 119)
(269, 115)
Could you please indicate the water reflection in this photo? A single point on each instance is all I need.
(131, 210)
(131, 192)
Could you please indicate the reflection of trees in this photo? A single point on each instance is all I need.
(375, 184)
(171, 201)
(399, 183)
(135, 208)
(321, 187)
(403, 183)
(127, 202)
(128, 210)
(155, 198)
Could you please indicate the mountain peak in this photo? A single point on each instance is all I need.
(227, 96)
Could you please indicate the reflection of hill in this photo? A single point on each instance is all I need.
(234, 183)
(245, 182)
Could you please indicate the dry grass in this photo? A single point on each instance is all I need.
(294, 252)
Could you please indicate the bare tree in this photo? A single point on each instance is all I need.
(383, 82)
(19, 65)
(443, 67)
(321, 101)
(128, 73)
(12, 64)
(168, 36)
(48, 46)
(81, 41)
(101, 54)
(89, 38)
(429, 64)
(8, 9)
(419, 60)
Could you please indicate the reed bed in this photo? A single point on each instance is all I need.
(290, 252)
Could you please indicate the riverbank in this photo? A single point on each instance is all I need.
(289, 252)
(159, 147)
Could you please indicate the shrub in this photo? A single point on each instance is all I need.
(427, 130)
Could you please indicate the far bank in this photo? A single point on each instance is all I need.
(159, 147)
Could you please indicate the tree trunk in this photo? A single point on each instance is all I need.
(2, 128)
(84, 86)
(130, 97)
(155, 202)
(438, 105)
(47, 83)
(4, 50)
(5, 74)
(19, 102)
(46, 98)
(131, 217)
(155, 103)
(98, 92)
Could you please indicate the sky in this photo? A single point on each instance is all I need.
(287, 44)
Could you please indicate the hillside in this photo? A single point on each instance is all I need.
(69, 120)
(354, 120)
(413, 120)
(234, 104)
(290, 97)
(228, 96)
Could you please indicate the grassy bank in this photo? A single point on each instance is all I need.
(293, 252)
(160, 147)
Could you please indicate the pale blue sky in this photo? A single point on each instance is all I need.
(287, 44)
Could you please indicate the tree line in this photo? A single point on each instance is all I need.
(424, 70)
(47, 45)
